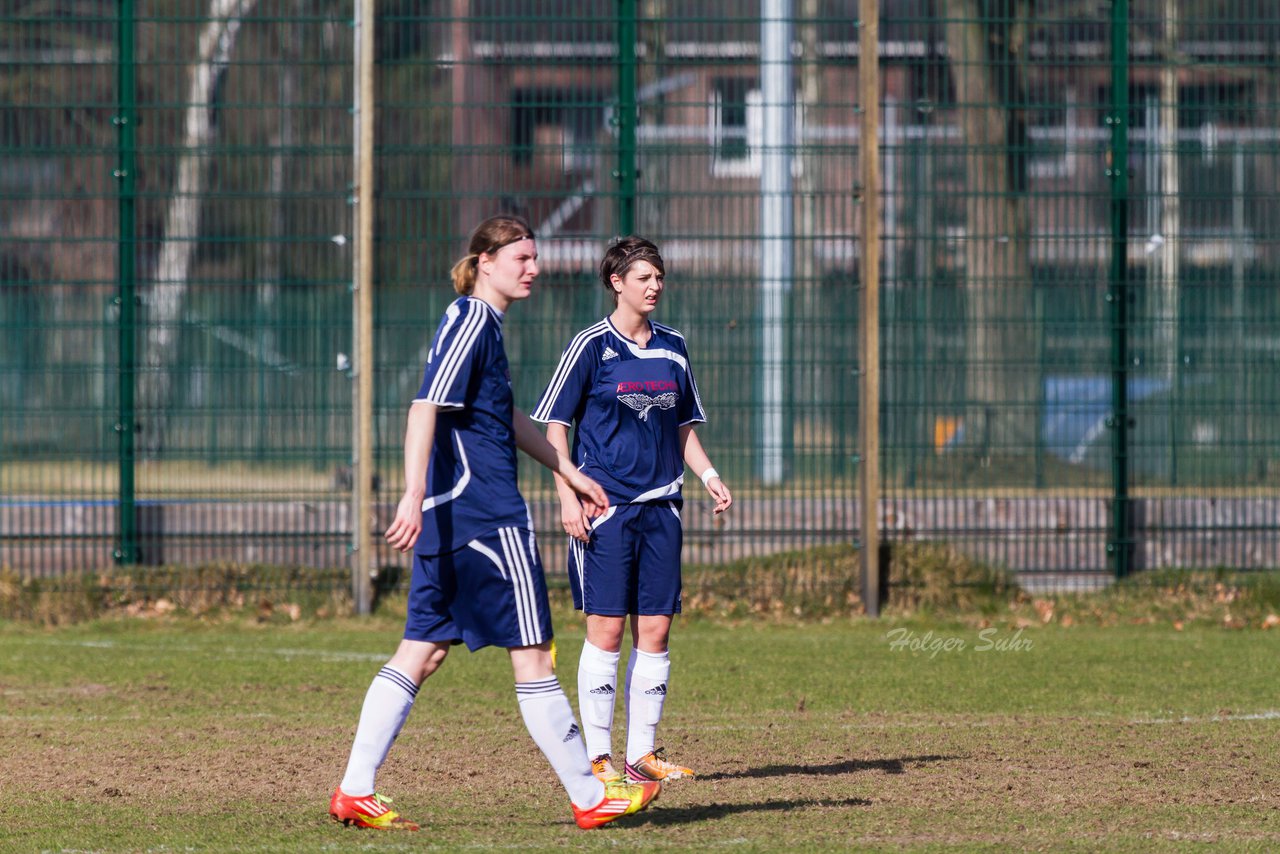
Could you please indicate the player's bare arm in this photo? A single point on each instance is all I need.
(418, 435)
(530, 440)
(697, 460)
(574, 519)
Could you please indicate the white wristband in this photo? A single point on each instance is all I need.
(708, 474)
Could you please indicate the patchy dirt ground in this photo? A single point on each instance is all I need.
(232, 739)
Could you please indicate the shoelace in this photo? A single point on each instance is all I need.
(660, 759)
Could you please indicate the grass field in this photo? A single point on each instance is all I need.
(178, 734)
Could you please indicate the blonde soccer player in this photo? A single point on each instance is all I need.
(477, 575)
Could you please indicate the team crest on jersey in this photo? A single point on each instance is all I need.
(642, 403)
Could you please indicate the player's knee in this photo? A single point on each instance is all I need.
(605, 633)
(433, 660)
(418, 660)
(652, 636)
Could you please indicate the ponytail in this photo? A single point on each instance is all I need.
(464, 274)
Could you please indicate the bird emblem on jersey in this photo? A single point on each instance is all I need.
(642, 403)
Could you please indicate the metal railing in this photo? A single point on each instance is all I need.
(1077, 308)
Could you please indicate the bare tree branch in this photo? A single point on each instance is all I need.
(182, 218)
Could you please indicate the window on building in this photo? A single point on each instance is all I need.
(1055, 138)
(735, 127)
(562, 123)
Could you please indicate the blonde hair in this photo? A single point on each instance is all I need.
(488, 237)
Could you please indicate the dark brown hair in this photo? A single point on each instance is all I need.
(623, 254)
(489, 236)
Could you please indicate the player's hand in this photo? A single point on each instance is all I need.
(574, 519)
(720, 492)
(405, 528)
(594, 501)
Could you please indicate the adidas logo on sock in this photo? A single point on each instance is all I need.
(609, 353)
(572, 733)
(603, 689)
(658, 689)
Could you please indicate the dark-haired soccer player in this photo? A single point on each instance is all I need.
(477, 576)
(626, 384)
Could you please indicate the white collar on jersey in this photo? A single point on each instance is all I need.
(652, 351)
(653, 331)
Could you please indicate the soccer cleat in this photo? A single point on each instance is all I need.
(602, 767)
(654, 766)
(367, 811)
(620, 798)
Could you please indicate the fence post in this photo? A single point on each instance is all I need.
(869, 333)
(1119, 547)
(362, 317)
(125, 120)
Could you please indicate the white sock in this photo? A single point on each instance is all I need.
(386, 706)
(647, 674)
(549, 719)
(597, 691)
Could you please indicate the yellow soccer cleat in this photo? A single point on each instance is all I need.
(654, 766)
(367, 811)
(620, 798)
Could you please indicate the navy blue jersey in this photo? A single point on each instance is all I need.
(471, 476)
(628, 404)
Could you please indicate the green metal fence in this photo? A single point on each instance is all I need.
(1077, 208)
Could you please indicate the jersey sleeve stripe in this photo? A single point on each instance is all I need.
(564, 370)
(699, 414)
(468, 333)
(662, 327)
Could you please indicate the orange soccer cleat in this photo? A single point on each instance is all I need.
(367, 811)
(620, 798)
(654, 766)
(602, 767)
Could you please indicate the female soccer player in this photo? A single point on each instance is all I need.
(477, 575)
(625, 382)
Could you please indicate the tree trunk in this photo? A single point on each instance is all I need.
(181, 229)
(986, 54)
(271, 267)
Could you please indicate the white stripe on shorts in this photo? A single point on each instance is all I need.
(521, 585)
(490, 554)
(577, 552)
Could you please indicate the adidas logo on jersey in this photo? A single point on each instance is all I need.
(603, 689)
(609, 353)
(660, 690)
(572, 733)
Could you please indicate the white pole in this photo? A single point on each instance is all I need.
(776, 229)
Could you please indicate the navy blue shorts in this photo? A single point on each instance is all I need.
(632, 564)
(490, 592)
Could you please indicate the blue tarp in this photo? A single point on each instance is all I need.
(1076, 409)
